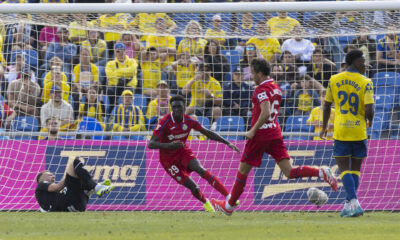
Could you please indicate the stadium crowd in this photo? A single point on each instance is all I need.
(124, 80)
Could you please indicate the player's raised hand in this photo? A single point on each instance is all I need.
(233, 147)
(176, 145)
(323, 133)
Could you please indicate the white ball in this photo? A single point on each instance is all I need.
(316, 196)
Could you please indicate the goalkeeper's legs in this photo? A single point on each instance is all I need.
(77, 170)
(213, 180)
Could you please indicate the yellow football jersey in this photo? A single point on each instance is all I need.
(280, 26)
(198, 97)
(267, 47)
(350, 91)
(316, 115)
(184, 75)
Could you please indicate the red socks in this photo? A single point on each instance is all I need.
(215, 183)
(304, 171)
(238, 188)
(199, 195)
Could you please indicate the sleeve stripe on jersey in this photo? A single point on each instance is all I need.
(162, 127)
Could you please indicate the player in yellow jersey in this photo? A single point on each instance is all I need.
(352, 94)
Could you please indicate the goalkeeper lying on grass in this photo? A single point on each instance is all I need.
(72, 193)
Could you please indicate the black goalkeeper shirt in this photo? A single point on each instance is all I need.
(50, 201)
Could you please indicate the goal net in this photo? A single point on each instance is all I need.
(81, 83)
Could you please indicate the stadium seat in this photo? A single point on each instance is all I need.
(384, 102)
(182, 19)
(378, 126)
(386, 79)
(89, 124)
(232, 124)
(4, 137)
(25, 124)
(31, 57)
(233, 57)
(298, 124)
(204, 121)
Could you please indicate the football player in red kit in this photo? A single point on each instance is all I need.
(265, 137)
(177, 159)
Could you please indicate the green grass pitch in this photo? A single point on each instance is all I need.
(197, 225)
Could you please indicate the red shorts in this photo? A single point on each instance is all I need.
(176, 165)
(256, 147)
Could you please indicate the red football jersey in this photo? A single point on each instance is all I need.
(170, 131)
(268, 90)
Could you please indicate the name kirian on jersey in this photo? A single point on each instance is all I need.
(348, 82)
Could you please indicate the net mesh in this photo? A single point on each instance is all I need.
(77, 56)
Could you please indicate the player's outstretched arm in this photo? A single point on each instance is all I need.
(156, 144)
(325, 119)
(216, 137)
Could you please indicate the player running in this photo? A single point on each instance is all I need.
(265, 136)
(71, 194)
(353, 96)
(177, 159)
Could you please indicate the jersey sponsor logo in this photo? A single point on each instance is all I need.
(179, 136)
(271, 187)
(262, 96)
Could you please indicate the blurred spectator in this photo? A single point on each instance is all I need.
(282, 24)
(388, 52)
(56, 80)
(290, 70)
(237, 95)
(14, 71)
(98, 53)
(217, 62)
(315, 119)
(269, 47)
(250, 52)
(48, 34)
(63, 49)
(121, 73)
(159, 106)
(127, 117)
(305, 98)
(151, 71)
(147, 23)
(245, 28)
(321, 68)
(366, 44)
(77, 33)
(55, 63)
(348, 19)
(165, 44)
(206, 94)
(277, 73)
(193, 43)
(85, 75)
(93, 106)
(116, 21)
(21, 36)
(132, 44)
(52, 126)
(24, 95)
(57, 108)
(7, 114)
(299, 47)
(216, 33)
(184, 69)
